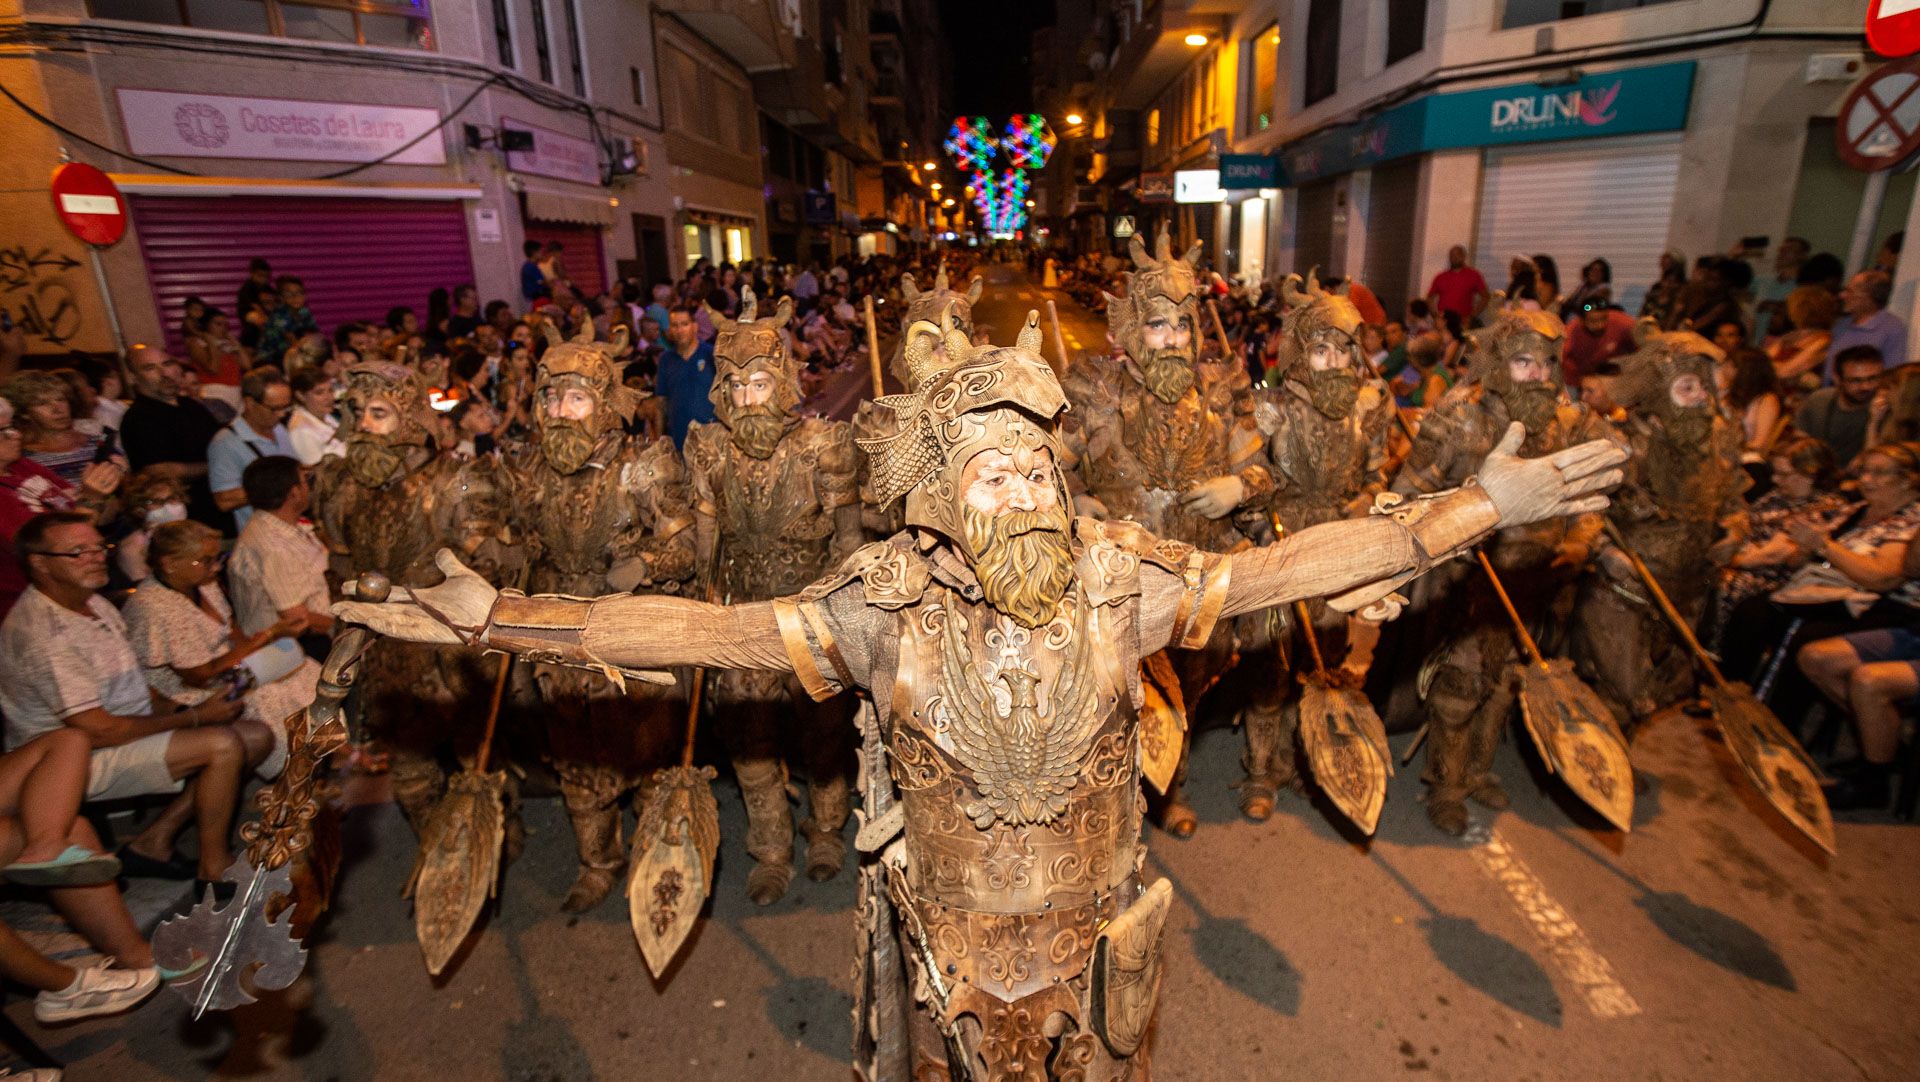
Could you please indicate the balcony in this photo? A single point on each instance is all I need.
(1156, 52)
(757, 35)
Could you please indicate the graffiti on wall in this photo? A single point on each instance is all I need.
(37, 293)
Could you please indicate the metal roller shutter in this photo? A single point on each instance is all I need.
(358, 257)
(1610, 199)
(1394, 192)
(580, 253)
(1313, 230)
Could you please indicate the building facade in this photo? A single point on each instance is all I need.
(1400, 128)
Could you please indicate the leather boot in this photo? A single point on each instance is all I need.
(596, 831)
(763, 787)
(418, 784)
(826, 848)
(1261, 789)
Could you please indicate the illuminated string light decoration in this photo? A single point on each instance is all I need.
(1000, 198)
(1028, 141)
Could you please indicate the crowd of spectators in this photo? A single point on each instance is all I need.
(163, 596)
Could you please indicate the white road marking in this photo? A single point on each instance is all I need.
(1566, 944)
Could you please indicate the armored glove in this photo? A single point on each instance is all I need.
(1571, 482)
(452, 613)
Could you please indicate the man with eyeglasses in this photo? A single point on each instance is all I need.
(266, 401)
(65, 660)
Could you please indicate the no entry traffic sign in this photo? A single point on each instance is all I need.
(88, 204)
(1879, 123)
(1893, 27)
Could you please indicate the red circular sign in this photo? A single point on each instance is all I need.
(1879, 122)
(88, 204)
(1893, 27)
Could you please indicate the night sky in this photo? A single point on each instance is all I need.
(990, 42)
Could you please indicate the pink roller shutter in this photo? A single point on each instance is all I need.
(580, 253)
(358, 257)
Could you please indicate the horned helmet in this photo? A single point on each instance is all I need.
(569, 430)
(928, 304)
(373, 457)
(966, 400)
(1322, 320)
(1512, 335)
(1165, 290)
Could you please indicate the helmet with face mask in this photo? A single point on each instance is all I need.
(1510, 336)
(1321, 319)
(1647, 378)
(580, 364)
(376, 459)
(1160, 288)
(742, 348)
(968, 400)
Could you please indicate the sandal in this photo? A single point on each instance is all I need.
(136, 865)
(74, 867)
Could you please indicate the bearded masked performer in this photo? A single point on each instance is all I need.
(1001, 643)
(598, 512)
(1327, 455)
(386, 506)
(1468, 694)
(1161, 438)
(775, 501)
(1682, 509)
(929, 305)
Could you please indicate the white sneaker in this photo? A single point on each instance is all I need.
(99, 990)
(34, 1074)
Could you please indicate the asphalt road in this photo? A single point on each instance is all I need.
(1708, 943)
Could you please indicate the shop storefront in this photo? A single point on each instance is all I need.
(716, 236)
(565, 203)
(1577, 170)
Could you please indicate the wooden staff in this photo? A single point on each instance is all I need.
(1219, 328)
(1519, 625)
(873, 360)
(1059, 342)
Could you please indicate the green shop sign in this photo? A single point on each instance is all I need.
(1624, 102)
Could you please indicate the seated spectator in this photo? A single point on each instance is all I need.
(44, 842)
(313, 427)
(109, 390)
(1424, 380)
(287, 322)
(1805, 485)
(27, 489)
(43, 409)
(1596, 335)
(1867, 323)
(153, 498)
(473, 426)
(65, 662)
(1750, 394)
(167, 429)
(1838, 415)
(278, 571)
(1846, 576)
(1729, 333)
(1799, 347)
(218, 358)
(1873, 674)
(182, 631)
(266, 401)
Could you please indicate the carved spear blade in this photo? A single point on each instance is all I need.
(1347, 745)
(673, 851)
(1578, 739)
(1163, 721)
(240, 944)
(458, 870)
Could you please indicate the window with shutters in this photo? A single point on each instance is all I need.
(503, 33)
(576, 63)
(1322, 75)
(349, 22)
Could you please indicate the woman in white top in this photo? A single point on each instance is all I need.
(312, 427)
(183, 633)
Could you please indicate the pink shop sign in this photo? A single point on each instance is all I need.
(177, 125)
(563, 157)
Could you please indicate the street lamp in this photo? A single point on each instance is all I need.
(1196, 40)
(935, 185)
(928, 166)
(1075, 118)
(946, 202)
(1029, 202)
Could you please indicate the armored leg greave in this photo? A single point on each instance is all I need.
(829, 802)
(593, 806)
(763, 786)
